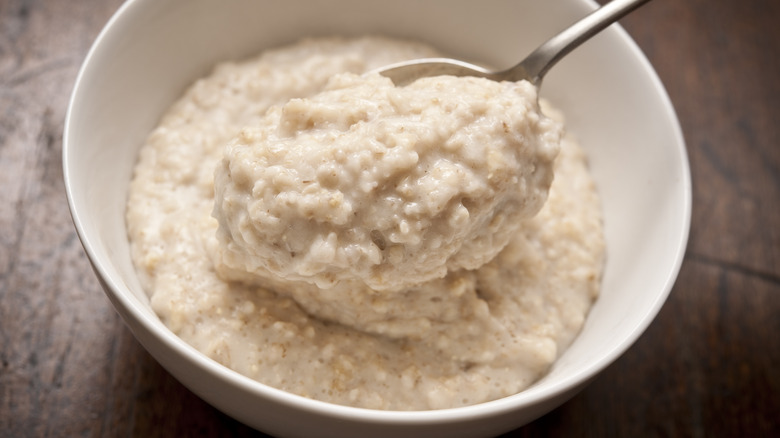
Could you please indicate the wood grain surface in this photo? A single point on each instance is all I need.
(709, 366)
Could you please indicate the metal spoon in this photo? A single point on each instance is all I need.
(533, 67)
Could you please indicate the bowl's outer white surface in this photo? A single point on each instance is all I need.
(152, 49)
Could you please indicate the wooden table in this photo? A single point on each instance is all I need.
(708, 366)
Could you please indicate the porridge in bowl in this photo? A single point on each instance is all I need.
(331, 235)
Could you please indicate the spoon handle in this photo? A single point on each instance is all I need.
(536, 65)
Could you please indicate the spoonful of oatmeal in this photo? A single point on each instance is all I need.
(533, 67)
(388, 186)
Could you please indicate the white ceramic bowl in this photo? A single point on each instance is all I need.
(152, 49)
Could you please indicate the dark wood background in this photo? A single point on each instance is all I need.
(709, 365)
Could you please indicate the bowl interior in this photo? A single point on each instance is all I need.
(614, 103)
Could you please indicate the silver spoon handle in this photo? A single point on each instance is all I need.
(536, 65)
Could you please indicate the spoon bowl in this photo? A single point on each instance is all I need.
(613, 101)
(533, 67)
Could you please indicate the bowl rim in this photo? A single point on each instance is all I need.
(122, 298)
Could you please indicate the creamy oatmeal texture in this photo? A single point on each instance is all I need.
(391, 186)
(454, 286)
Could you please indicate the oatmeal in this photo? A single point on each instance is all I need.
(461, 281)
(390, 186)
